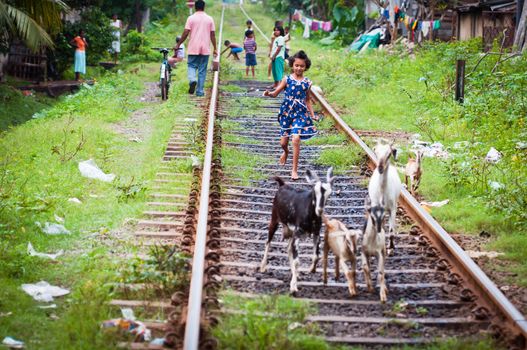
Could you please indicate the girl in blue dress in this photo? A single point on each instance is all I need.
(296, 113)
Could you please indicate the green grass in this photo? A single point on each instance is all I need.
(235, 157)
(341, 158)
(15, 108)
(270, 322)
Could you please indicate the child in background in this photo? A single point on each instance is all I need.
(235, 49)
(277, 55)
(179, 54)
(249, 45)
(270, 67)
(249, 25)
(296, 112)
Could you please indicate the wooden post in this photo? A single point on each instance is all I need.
(460, 81)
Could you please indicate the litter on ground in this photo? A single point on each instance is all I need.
(53, 229)
(75, 200)
(58, 219)
(435, 204)
(43, 291)
(136, 328)
(491, 255)
(32, 252)
(13, 343)
(89, 169)
(493, 155)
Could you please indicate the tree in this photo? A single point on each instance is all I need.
(32, 21)
(520, 41)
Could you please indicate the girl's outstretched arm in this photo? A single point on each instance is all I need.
(278, 89)
(309, 105)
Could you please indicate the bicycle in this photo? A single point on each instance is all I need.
(165, 72)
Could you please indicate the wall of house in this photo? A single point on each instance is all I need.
(470, 25)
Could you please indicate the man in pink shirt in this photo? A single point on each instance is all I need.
(200, 26)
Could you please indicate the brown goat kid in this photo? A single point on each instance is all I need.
(343, 244)
(413, 172)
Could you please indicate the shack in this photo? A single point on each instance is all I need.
(487, 19)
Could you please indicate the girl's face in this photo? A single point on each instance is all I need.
(276, 32)
(299, 66)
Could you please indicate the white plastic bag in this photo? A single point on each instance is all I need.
(13, 343)
(53, 229)
(32, 252)
(89, 169)
(43, 291)
(493, 155)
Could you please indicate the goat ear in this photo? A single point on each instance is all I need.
(330, 177)
(394, 153)
(311, 177)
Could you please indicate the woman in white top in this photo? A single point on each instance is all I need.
(116, 44)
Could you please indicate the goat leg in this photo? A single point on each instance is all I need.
(366, 269)
(350, 277)
(316, 251)
(273, 225)
(337, 267)
(325, 263)
(393, 213)
(293, 261)
(382, 283)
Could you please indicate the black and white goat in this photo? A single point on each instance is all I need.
(385, 185)
(300, 212)
(374, 244)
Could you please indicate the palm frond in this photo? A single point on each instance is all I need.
(26, 28)
(46, 13)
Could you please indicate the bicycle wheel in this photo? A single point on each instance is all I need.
(164, 88)
(167, 79)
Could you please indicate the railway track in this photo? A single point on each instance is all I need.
(442, 292)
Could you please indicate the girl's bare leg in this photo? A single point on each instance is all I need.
(296, 155)
(284, 142)
(269, 68)
(247, 71)
(252, 70)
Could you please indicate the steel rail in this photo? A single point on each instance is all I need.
(475, 278)
(193, 321)
(254, 24)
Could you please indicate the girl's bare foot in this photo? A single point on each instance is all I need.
(294, 176)
(283, 158)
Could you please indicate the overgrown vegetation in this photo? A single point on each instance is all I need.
(270, 322)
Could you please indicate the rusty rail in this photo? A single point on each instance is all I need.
(193, 320)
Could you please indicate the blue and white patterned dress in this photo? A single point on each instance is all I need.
(294, 117)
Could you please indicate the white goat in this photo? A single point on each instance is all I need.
(385, 185)
(413, 171)
(374, 244)
(343, 243)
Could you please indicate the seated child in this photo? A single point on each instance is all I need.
(179, 55)
(235, 49)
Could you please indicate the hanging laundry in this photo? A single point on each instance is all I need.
(296, 16)
(414, 25)
(307, 26)
(437, 24)
(425, 26)
(326, 26)
(386, 13)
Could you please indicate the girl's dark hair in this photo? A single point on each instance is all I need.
(249, 22)
(281, 29)
(301, 55)
(227, 42)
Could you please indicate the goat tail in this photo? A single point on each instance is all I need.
(279, 180)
